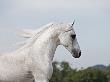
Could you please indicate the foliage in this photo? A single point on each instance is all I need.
(108, 73)
(62, 72)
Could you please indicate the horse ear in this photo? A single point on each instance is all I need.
(26, 33)
(73, 22)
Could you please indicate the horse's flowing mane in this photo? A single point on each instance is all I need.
(32, 35)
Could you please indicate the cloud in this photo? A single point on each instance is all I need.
(60, 3)
(26, 6)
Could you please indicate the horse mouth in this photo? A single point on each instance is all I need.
(76, 56)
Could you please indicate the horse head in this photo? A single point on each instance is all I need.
(69, 41)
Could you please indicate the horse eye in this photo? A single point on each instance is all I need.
(73, 36)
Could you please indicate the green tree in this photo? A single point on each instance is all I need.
(62, 72)
(108, 73)
(56, 77)
(89, 75)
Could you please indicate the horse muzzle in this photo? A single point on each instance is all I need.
(76, 54)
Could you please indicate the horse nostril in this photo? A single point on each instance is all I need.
(79, 54)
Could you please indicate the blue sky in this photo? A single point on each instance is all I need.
(92, 25)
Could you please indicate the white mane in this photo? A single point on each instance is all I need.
(32, 35)
(28, 33)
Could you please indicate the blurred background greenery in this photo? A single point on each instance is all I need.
(62, 72)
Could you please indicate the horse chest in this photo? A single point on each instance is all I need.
(42, 68)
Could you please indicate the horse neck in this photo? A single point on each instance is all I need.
(45, 46)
